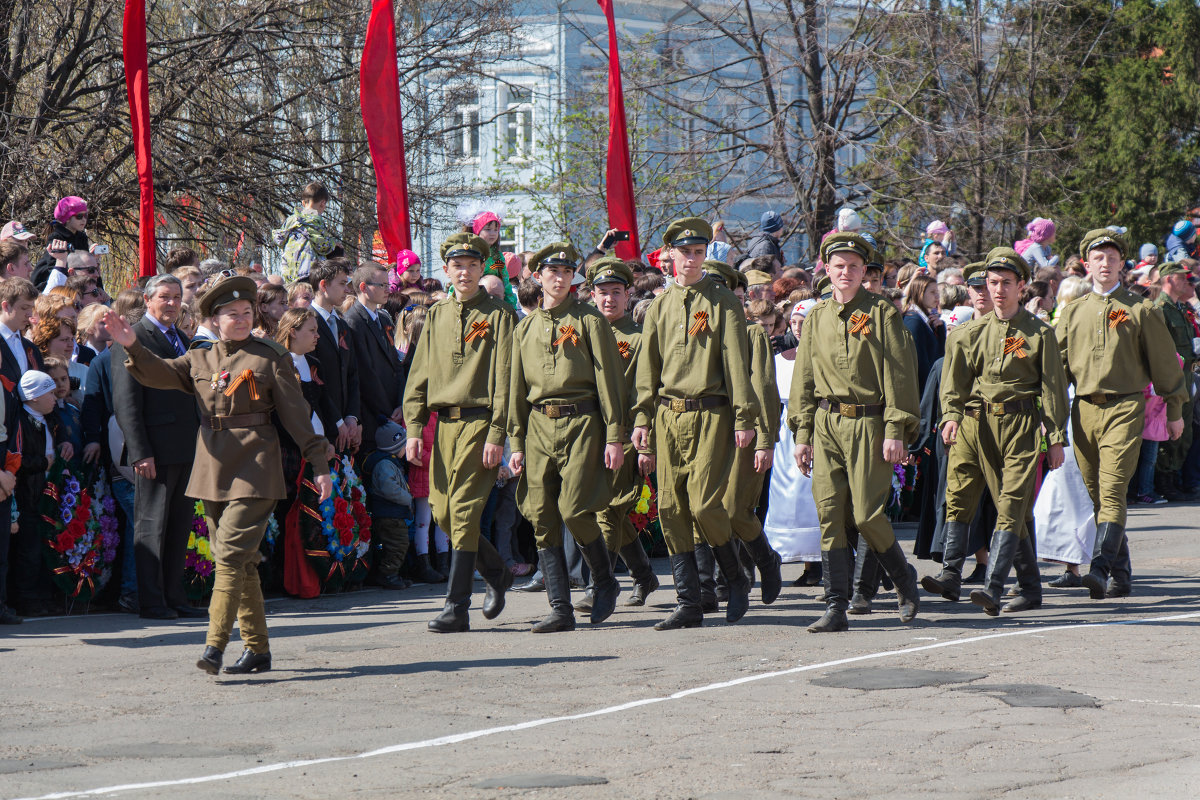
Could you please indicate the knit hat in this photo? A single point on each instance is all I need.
(483, 220)
(69, 207)
(802, 308)
(936, 228)
(404, 260)
(1183, 229)
(390, 437)
(1041, 230)
(770, 221)
(847, 220)
(34, 384)
(1147, 250)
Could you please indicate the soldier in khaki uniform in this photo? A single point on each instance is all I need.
(1113, 344)
(566, 421)
(238, 382)
(853, 407)
(1178, 289)
(460, 370)
(611, 278)
(997, 369)
(693, 385)
(751, 464)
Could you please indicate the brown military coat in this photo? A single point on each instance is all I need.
(242, 461)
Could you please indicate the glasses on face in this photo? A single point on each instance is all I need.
(82, 215)
(79, 306)
(227, 273)
(89, 270)
(376, 285)
(91, 293)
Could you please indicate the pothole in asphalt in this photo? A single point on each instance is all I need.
(1021, 695)
(540, 781)
(871, 678)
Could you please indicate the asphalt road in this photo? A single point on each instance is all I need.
(1088, 699)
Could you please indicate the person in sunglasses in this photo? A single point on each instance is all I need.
(66, 234)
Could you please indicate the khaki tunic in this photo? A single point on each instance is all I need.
(862, 363)
(991, 361)
(627, 483)
(242, 462)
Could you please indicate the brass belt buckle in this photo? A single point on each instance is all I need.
(848, 410)
(1100, 398)
(997, 409)
(455, 412)
(678, 405)
(553, 412)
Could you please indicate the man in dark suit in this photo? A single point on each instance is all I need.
(17, 355)
(160, 439)
(373, 334)
(335, 351)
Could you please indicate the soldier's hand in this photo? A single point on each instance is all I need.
(804, 458)
(325, 484)
(743, 438)
(894, 451)
(646, 464)
(516, 463)
(1054, 456)
(412, 452)
(641, 438)
(91, 452)
(614, 456)
(1175, 429)
(145, 468)
(949, 433)
(763, 460)
(492, 454)
(118, 329)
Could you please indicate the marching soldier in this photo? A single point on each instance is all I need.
(611, 278)
(567, 419)
(460, 370)
(996, 370)
(1178, 289)
(1114, 344)
(693, 385)
(751, 464)
(238, 471)
(853, 407)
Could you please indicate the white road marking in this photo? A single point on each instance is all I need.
(537, 723)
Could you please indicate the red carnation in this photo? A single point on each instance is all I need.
(364, 531)
(347, 537)
(356, 494)
(339, 505)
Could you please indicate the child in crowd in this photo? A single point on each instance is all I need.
(390, 503)
(70, 428)
(304, 236)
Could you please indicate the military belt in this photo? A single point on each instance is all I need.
(852, 411)
(680, 405)
(1000, 409)
(455, 412)
(1103, 398)
(235, 421)
(557, 411)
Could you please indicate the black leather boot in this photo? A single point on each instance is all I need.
(768, 563)
(866, 580)
(605, 586)
(948, 582)
(496, 575)
(1029, 579)
(425, 571)
(644, 579)
(687, 613)
(250, 661)
(210, 660)
(904, 576)
(553, 561)
(706, 563)
(1001, 553)
(1109, 537)
(441, 563)
(835, 571)
(1120, 580)
(453, 618)
(739, 585)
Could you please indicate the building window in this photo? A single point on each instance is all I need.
(462, 135)
(518, 123)
(512, 235)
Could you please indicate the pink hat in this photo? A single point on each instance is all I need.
(936, 228)
(482, 220)
(1041, 230)
(15, 230)
(69, 207)
(513, 263)
(406, 259)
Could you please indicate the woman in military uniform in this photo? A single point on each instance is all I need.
(238, 381)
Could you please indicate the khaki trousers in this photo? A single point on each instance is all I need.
(236, 530)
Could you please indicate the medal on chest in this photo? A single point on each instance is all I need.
(220, 380)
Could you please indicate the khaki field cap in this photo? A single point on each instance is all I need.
(465, 245)
(846, 242)
(609, 270)
(724, 273)
(238, 287)
(1099, 237)
(1009, 259)
(558, 254)
(689, 230)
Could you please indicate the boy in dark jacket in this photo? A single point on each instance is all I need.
(389, 502)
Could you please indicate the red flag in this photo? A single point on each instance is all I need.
(379, 93)
(138, 86)
(622, 214)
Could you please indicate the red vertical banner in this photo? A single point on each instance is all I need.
(137, 84)
(379, 95)
(622, 213)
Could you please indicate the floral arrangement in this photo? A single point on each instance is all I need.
(336, 533)
(644, 514)
(79, 529)
(198, 563)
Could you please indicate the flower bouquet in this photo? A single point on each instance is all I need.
(644, 515)
(198, 563)
(79, 529)
(336, 533)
